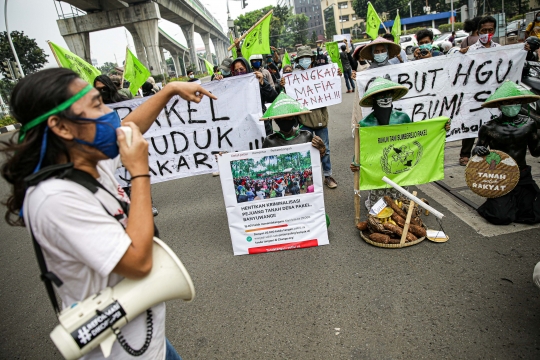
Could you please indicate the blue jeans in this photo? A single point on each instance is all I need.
(325, 161)
(347, 75)
(170, 351)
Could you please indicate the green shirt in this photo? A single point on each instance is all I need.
(396, 117)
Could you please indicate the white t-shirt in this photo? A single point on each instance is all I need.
(82, 244)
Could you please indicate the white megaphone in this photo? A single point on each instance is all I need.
(90, 323)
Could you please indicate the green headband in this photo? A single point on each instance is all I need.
(63, 106)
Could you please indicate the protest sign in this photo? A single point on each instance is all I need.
(69, 60)
(185, 136)
(341, 37)
(408, 154)
(453, 85)
(315, 88)
(265, 214)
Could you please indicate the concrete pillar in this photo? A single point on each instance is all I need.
(227, 52)
(164, 66)
(148, 33)
(206, 41)
(80, 45)
(177, 69)
(216, 48)
(139, 46)
(189, 33)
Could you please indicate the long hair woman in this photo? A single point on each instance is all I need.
(109, 91)
(89, 240)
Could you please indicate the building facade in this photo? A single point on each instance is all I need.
(312, 9)
(340, 18)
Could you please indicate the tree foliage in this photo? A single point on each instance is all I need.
(295, 31)
(277, 25)
(107, 68)
(271, 165)
(31, 56)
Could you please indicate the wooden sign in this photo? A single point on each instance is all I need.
(493, 175)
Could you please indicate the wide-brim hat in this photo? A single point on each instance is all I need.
(393, 48)
(303, 51)
(284, 106)
(510, 91)
(356, 53)
(380, 85)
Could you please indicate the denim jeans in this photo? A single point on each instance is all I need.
(325, 161)
(170, 352)
(347, 75)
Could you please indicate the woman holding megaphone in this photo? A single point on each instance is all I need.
(88, 241)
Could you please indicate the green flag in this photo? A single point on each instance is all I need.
(396, 29)
(209, 67)
(286, 59)
(408, 154)
(333, 51)
(69, 60)
(373, 23)
(135, 72)
(233, 50)
(257, 40)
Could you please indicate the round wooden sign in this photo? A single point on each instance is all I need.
(493, 175)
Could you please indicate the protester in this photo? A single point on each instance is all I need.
(470, 26)
(224, 68)
(532, 46)
(486, 30)
(107, 89)
(379, 51)
(191, 76)
(361, 64)
(401, 57)
(276, 77)
(147, 89)
(117, 81)
(320, 57)
(257, 65)
(89, 241)
(511, 133)
(274, 58)
(445, 47)
(154, 85)
(425, 45)
(347, 68)
(452, 38)
(533, 28)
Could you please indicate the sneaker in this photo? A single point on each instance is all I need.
(155, 211)
(215, 173)
(330, 182)
(463, 161)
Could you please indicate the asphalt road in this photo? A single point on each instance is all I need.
(469, 298)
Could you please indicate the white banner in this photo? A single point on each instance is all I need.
(274, 199)
(451, 85)
(185, 136)
(340, 38)
(315, 88)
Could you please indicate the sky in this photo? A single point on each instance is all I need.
(37, 18)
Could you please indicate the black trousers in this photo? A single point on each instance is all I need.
(466, 147)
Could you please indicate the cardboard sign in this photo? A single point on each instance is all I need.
(315, 88)
(274, 199)
(185, 136)
(493, 175)
(451, 85)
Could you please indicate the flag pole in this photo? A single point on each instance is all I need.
(54, 53)
(251, 28)
(124, 72)
(357, 175)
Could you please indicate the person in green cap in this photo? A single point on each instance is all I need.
(511, 133)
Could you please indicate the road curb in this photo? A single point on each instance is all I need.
(9, 128)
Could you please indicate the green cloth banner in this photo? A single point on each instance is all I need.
(396, 29)
(408, 154)
(286, 59)
(135, 72)
(373, 22)
(69, 60)
(209, 67)
(258, 39)
(233, 50)
(333, 51)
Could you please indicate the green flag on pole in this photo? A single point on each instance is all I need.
(69, 60)
(408, 154)
(209, 67)
(233, 50)
(257, 40)
(135, 72)
(396, 29)
(286, 59)
(333, 51)
(373, 23)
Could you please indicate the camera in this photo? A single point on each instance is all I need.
(424, 52)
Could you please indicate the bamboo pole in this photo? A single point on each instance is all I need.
(412, 197)
(407, 221)
(123, 72)
(251, 28)
(54, 53)
(357, 175)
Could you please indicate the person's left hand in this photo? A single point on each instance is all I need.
(190, 91)
(447, 125)
(273, 48)
(353, 75)
(354, 168)
(259, 76)
(218, 77)
(318, 144)
(339, 72)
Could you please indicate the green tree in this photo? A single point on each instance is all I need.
(295, 30)
(6, 87)
(330, 21)
(313, 37)
(279, 19)
(31, 56)
(107, 68)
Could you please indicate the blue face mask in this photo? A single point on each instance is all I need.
(428, 46)
(225, 72)
(105, 138)
(304, 63)
(256, 64)
(380, 57)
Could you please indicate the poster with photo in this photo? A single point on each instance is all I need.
(274, 199)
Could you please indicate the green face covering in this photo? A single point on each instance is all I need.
(63, 106)
(510, 110)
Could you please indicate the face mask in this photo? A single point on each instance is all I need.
(385, 102)
(191, 76)
(426, 47)
(225, 72)
(256, 64)
(286, 125)
(304, 63)
(269, 60)
(538, 18)
(380, 57)
(240, 72)
(485, 38)
(105, 138)
(510, 110)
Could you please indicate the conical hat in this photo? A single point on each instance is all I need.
(380, 85)
(509, 90)
(393, 48)
(284, 106)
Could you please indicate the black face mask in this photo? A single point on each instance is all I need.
(286, 125)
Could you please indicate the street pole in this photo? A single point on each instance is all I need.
(410, 7)
(11, 42)
(452, 13)
(340, 19)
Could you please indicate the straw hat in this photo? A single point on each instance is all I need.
(509, 90)
(393, 48)
(303, 51)
(380, 85)
(284, 106)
